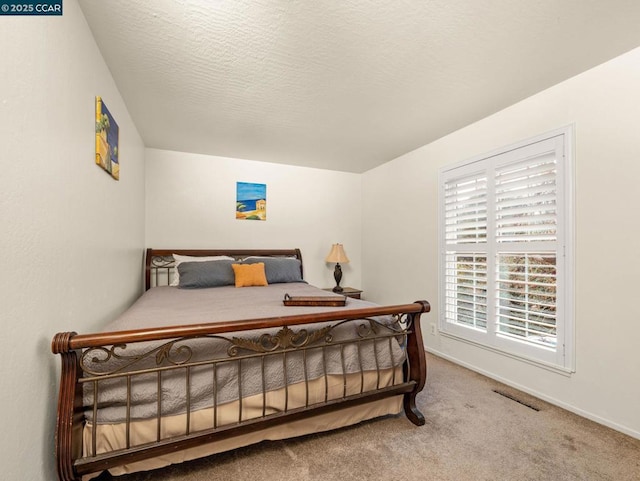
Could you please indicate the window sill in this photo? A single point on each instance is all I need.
(564, 371)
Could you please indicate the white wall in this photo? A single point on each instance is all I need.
(72, 237)
(191, 204)
(603, 104)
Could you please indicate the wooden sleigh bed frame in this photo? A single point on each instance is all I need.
(165, 351)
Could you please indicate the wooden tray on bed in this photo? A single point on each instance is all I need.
(314, 300)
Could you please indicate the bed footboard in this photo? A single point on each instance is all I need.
(285, 369)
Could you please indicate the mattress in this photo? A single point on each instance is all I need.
(168, 306)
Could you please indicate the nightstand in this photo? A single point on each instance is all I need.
(347, 291)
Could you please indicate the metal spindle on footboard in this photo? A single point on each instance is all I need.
(158, 410)
(335, 372)
(239, 390)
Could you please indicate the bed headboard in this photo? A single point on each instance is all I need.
(159, 263)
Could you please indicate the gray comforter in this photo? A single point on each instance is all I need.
(169, 306)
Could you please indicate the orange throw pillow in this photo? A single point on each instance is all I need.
(248, 275)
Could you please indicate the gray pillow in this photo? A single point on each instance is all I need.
(195, 275)
(279, 269)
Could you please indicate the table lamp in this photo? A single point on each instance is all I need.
(337, 255)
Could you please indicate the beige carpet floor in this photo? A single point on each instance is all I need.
(472, 433)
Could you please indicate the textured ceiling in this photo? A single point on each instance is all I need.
(343, 84)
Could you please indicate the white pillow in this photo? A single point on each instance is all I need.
(180, 259)
(269, 257)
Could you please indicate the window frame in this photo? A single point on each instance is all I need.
(562, 358)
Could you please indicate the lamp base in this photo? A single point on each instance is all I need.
(337, 275)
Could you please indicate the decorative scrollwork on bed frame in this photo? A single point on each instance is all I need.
(169, 352)
(285, 338)
(162, 262)
(177, 352)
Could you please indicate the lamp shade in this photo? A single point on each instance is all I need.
(337, 254)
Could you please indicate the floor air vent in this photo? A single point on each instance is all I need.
(513, 398)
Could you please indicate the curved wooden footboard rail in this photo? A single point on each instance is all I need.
(415, 355)
(68, 441)
(71, 464)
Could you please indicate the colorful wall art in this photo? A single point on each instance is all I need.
(106, 140)
(251, 201)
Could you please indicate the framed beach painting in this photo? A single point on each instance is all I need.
(106, 140)
(251, 201)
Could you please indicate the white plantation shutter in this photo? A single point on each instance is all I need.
(466, 210)
(465, 206)
(466, 289)
(503, 236)
(525, 200)
(526, 297)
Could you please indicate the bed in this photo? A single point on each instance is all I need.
(199, 366)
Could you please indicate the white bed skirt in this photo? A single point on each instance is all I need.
(111, 437)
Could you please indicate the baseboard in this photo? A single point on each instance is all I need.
(539, 395)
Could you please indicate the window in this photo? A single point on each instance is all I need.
(506, 236)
